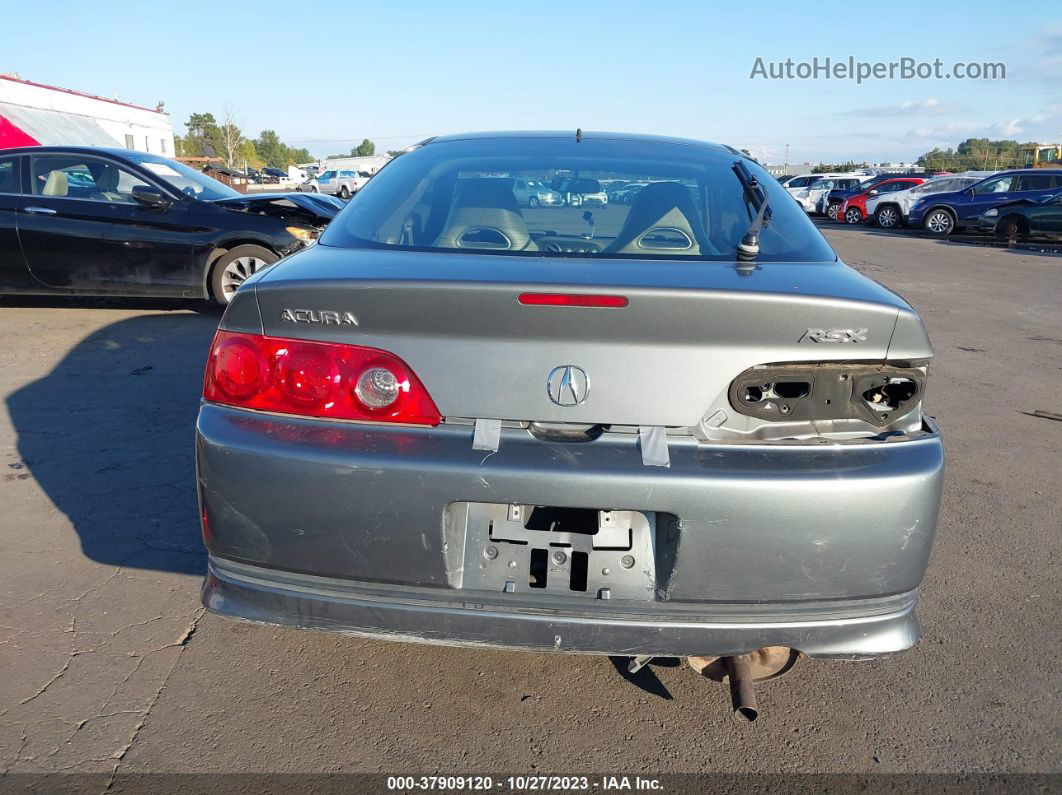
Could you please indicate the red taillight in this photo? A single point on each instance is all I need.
(315, 379)
(572, 299)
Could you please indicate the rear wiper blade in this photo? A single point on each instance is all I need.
(749, 247)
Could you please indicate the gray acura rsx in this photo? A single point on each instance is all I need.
(676, 427)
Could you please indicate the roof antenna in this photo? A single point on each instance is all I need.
(579, 135)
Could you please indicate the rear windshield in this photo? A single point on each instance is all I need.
(557, 197)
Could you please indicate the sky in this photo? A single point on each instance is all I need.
(325, 75)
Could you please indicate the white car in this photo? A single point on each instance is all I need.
(811, 197)
(799, 183)
(890, 210)
(536, 194)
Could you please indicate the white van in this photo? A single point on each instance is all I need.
(811, 196)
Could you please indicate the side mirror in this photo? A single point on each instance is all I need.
(872, 193)
(151, 196)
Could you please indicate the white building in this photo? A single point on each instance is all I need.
(33, 113)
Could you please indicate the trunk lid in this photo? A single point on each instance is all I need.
(689, 327)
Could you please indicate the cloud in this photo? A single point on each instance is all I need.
(1009, 128)
(1052, 44)
(1025, 128)
(922, 107)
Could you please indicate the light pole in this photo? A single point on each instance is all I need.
(785, 168)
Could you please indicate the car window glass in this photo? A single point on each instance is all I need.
(9, 176)
(680, 203)
(77, 177)
(997, 185)
(1035, 182)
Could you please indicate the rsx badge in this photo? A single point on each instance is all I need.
(324, 316)
(835, 335)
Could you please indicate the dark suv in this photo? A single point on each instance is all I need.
(943, 213)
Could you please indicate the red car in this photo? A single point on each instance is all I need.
(854, 208)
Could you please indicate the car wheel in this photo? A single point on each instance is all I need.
(888, 217)
(832, 209)
(852, 215)
(234, 267)
(313, 189)
(939, 222)
(533, 201)
(344, 192)
(1011, 226)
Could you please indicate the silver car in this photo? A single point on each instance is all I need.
(532, 193)
(684, 428)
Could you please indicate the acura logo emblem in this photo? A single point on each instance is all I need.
(568, 385)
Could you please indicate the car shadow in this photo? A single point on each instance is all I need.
(108, 436)
(646, 679)
(197, 305)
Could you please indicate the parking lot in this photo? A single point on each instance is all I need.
(109, 663)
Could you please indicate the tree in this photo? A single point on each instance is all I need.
(837, 168)
(975, 154)
(246, 153)
(203, 138)
(394, 152)
(365, 149)
(271, 149)
(229, 136)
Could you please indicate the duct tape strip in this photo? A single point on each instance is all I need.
(653, 441)
(487, 435)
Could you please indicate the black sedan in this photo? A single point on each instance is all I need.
(1025, 218)
(91, 221)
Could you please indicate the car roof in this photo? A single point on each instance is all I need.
(1026, 171)
(585, 135)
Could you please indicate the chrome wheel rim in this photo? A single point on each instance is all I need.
(831, 212)
(852, 216)
(237, 272)
(887, 218)
(939, 223)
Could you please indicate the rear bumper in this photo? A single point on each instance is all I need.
(350, 527)
(852, 629)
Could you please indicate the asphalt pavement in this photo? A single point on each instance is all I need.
(108, 663)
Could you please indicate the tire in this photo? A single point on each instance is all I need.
(344, 192)
(233, 267)
(532, 201)
(939, 222)
(887, 217)
(832, 209)
(1011, 226)
(313, 189)
(853, 216)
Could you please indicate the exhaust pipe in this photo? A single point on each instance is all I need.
(742, 690)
